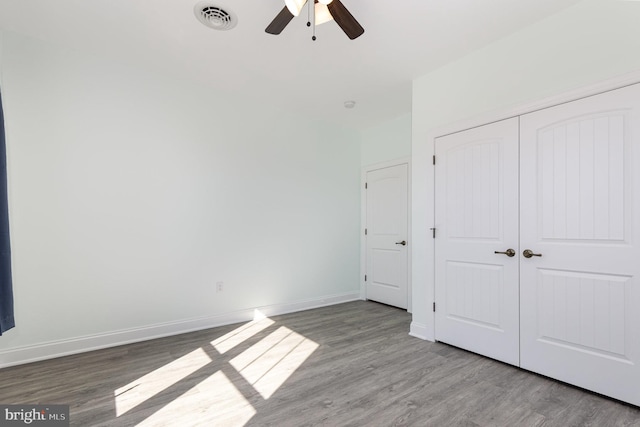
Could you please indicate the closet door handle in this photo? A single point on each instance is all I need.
(528, 253)
(403, 243)
(509, 252)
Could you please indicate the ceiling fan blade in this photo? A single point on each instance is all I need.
(345, 20)
(280, 21)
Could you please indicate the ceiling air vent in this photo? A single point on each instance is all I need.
(215, 17)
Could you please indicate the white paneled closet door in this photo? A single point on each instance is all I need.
(580, 210)
(476, 218)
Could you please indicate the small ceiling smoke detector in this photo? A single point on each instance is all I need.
(214, 16)
(349, 104)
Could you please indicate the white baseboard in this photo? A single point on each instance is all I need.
(421, 331)
(53, 349)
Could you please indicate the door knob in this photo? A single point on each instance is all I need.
(403, 243)
(528, 253)
(509, 252)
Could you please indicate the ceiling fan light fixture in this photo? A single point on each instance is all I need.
(295, 6)
(322, 13)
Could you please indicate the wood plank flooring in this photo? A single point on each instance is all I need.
(346, 365)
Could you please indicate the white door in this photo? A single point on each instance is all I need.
(387, 235)
(477, 217)
(580, 210)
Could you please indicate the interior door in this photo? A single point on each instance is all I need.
(476, 176)
(580, 215)
(387, 234)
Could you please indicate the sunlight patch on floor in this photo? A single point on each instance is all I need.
(213, 402)
(147, 386)
(241, 334)
(266, 365)
(270, 362)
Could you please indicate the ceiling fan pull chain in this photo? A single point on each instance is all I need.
(314, 32)
(312, 16)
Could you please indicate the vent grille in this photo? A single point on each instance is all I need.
(215, 17)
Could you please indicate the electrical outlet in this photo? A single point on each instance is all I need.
(219, 286)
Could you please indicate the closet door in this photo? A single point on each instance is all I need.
(476, 218)
(580, 218)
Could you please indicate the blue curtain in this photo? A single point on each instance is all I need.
(6, 289)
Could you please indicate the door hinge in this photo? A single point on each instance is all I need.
(365, 277)
(434, 307)
(433, 231)
(365, 231)
(434, 159)
(366, 185)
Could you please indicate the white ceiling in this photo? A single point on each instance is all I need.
(402, 40)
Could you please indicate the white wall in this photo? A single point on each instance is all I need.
(584, 44)
(132, 194)
(388, 140)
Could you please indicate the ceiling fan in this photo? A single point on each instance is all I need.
(324, 11)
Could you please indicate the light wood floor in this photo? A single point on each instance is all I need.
(347, 365)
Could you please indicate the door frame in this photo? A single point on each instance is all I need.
(363, 224)
(423, 266)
